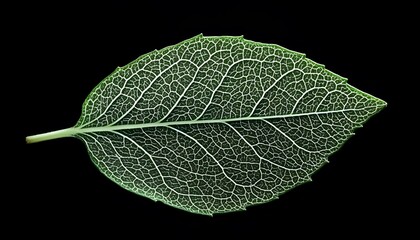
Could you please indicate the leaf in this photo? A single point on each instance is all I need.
(216, 124)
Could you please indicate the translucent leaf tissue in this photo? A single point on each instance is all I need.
(217, 124)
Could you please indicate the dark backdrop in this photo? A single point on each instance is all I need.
(58, 53)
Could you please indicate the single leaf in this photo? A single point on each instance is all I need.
(216, 124)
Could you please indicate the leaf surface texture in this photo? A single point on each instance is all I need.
(216, 124)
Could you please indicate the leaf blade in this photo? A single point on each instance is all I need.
(217, 124)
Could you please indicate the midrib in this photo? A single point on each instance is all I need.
(68, 132)
(163, 124)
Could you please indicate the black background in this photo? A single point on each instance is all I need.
(56, 54)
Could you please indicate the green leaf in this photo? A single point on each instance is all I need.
(217, 124)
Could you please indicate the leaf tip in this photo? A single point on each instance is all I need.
(381, 104)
